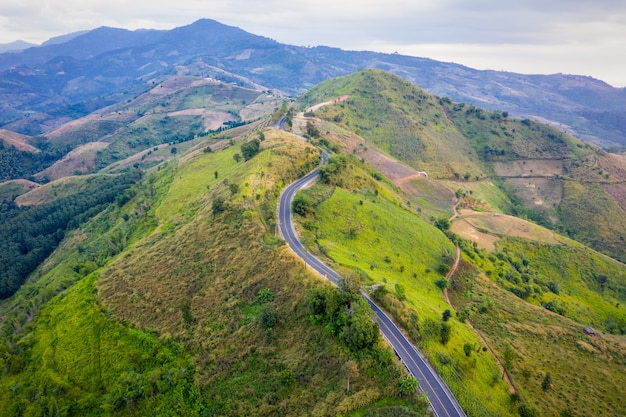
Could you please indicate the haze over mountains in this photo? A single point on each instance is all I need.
(99, 67)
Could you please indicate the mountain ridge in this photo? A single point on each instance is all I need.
(292, 69)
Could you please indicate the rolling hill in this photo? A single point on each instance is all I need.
(40, 87)
(530, 292)
(547, 175)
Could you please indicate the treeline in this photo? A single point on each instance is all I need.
(21, 164)
(28, 235)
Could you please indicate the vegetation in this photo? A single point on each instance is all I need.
(542, 173)
(202, 281)
(29, 234)
(22, 164)
(365, 232)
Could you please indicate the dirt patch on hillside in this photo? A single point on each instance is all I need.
(172, 85)
(92, 122)
(529, 168)
(467, 231)
(18, 141)
(211, 119)
(617, 193)
(486, 228)
(81, 160)
(327, 103)
(544, 194)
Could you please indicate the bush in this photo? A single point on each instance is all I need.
(250, 149)
(302, 204)
(268, 316)
(444, 333)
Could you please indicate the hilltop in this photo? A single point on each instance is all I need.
(544, 174)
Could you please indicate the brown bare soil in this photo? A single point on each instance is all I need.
(468, 231)
(80, 160)
(539, 193)
(617, 193)
(529, 168)
(486, 229)
(18, 141)
(211, 120)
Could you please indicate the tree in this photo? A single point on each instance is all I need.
(250, 149)
(352, 370)
(442, 283)
(173, 150)
(446, 315)
(219, 205)
(546, 384)
(302, 204)
(442, 223)
(408, 385)
(467, 348)
(527, 410)
(380, 292)
(362, 331)
(444, 333)
(261, 136)
(399, 291)
(268, 316)
(237, 157)
(311, 130)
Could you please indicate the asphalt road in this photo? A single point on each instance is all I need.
(443, 403)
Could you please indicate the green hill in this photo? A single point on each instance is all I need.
(529, 299)
(548, 176)
(181, 301)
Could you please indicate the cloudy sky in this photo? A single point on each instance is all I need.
(586, 37)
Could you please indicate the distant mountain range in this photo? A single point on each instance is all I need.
(44, 87)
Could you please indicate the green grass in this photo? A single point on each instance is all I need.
(79, 361)
(591, 216)
(102, 344)
(587, 287)
(586, 371)
(385, 244)
(400, 119)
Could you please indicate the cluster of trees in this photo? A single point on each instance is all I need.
(345, 313)
(29, 234)
(20, 164)
(250, 149)
(331, 172)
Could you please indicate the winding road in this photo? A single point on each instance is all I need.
(443, 403)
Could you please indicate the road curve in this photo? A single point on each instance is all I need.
(443, 403)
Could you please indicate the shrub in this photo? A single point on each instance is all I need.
(268, 316)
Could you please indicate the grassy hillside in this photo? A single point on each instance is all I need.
(400, 119)
(546, 175)
(362, 227)
(155, 308)
(585, 372)
(529, 299)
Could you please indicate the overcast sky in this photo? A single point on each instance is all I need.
(586, 37)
